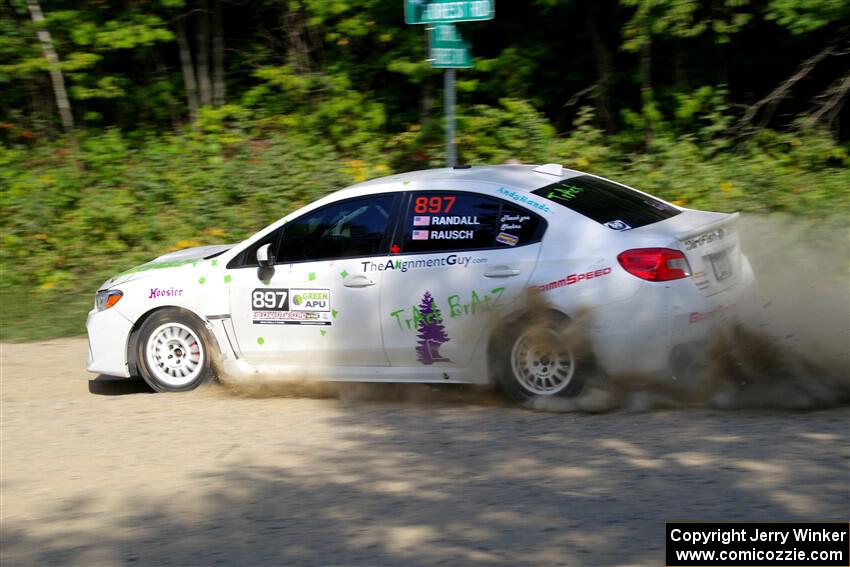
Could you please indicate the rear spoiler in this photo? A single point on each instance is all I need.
(730, 219)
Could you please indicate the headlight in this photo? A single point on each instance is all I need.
(107, 298)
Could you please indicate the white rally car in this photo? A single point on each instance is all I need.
(420, 277)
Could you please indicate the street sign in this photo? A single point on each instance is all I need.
(436, 11)
(446, 47)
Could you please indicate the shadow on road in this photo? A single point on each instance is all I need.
(488, 486)
(113, 386)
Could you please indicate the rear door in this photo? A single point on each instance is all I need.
(459, 257)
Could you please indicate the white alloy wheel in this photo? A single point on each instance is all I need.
(174, 354)
(540, 364)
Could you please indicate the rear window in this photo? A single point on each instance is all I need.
(614, 205)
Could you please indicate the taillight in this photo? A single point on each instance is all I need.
(655, 264)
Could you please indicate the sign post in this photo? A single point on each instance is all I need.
(449, 104)
(447, 49)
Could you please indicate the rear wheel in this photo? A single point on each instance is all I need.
(536, 359)
(173, 352)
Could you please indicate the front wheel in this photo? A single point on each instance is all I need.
(173, 352)
(537, 359)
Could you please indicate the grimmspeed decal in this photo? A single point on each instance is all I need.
(571, 279)
(291, 306)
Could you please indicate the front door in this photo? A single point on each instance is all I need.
(313, 308)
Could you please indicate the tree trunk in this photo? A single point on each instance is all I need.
(426, 102)
(203, 52)
(56, 77)
(188, 69)
(604, 70)
(647, 96)
(169, 100)
(218, 56)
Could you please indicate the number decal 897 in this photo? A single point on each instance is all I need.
(270, 299)
(434, 204)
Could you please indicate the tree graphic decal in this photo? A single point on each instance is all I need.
(431, 333)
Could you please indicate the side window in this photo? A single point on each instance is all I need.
(355, 227)
(441, 221)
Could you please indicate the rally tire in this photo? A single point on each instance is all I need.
(529, 359)
(173, 352)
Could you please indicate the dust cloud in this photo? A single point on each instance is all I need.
(794, 354)
(289, 386)
(272, 386)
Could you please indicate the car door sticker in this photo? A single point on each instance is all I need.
(513, 222)
(434, 204)
(508, 239)
(291, 306)
(435, 211)
(430, 332)
(410, 318)
(466, 227)
(451, 261)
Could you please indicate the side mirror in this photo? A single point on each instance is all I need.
(264, 256)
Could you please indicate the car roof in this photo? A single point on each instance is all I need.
(522, 177)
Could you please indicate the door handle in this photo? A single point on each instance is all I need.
(501, 272)
(359, 281)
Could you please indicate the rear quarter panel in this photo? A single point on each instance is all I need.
(577, 266)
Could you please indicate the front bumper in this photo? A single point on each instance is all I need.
(108, 333)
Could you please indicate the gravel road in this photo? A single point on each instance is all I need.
(105, 473)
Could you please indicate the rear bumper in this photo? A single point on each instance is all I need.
(665, 328)
(108, 333)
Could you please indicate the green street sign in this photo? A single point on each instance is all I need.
(446, 47)
(445, 11)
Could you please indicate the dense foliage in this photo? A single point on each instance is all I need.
(199, 121)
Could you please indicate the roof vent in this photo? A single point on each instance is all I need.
(551, 169)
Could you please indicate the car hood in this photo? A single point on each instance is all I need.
(196, 253)
(167, 261)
